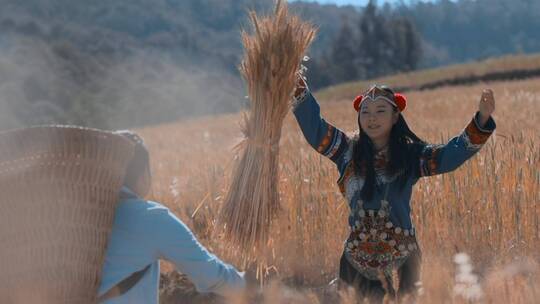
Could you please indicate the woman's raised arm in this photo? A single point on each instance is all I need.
(322, 136)
(438, 159)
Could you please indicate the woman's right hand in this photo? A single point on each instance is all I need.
(301, 86)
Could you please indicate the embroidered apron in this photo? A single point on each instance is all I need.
(375, 247)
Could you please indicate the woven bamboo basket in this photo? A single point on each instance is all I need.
(59, 187)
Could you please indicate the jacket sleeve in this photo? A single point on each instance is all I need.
(322, 136)
(177, 244)
(438, 159)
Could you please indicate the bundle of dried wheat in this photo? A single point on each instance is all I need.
(272, 58)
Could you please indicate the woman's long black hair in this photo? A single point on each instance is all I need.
(403, 152)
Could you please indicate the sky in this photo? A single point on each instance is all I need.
(358, 2)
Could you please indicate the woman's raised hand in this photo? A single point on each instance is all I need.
(301, 86)
(486, 106)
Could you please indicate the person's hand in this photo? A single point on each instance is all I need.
(253, 286)
(301, 86)
(486, 106)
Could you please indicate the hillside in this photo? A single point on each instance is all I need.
(502, 68)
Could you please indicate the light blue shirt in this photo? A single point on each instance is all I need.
(145, 232)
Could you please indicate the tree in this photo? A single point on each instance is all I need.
(344, 55)
(377, 51)
(383, 44)
(406, 44)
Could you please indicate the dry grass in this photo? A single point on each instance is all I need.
(272, 57)
(487, 208)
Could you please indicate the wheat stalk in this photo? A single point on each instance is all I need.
(273, 55)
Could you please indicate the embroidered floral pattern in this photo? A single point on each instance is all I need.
(474, 137)
(375, 246)
(325, 142)
(380, 160)
(333, 143)
(334, 147)
(477, 136)
(468, 144)
(348, 183)
(429, 164)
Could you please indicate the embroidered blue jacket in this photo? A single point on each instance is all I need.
(434, 159)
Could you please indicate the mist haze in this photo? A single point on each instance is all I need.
(122, 64)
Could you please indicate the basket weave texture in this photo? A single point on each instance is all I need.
(59, 187)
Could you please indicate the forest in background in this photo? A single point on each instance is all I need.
(120, 63)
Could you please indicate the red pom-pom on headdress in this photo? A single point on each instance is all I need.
(357, 101)
(401, 101)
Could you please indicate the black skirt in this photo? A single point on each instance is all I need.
(409, 276)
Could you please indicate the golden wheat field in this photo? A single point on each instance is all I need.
(488, 208)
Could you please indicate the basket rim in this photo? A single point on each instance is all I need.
(56, 126)
(23, 146)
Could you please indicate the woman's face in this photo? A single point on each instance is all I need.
(377, 118)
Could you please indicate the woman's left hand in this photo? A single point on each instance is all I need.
(486, 105)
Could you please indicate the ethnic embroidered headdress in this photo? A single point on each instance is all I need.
(375, 92)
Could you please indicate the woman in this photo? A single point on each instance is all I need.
(378, 168)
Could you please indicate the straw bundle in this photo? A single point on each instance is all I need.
(272, 58)
(59, 189)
